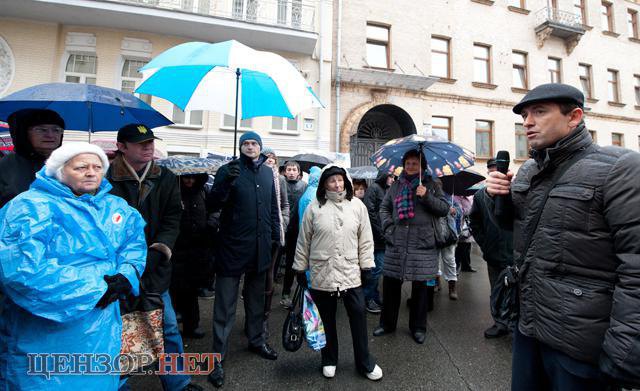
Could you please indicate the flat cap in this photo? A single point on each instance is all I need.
(551, 92)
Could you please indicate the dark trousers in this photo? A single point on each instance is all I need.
(494, 273)
(270, 278)
(536, 366)
(186, 302)
(289, 273)
(463, 256)
(224, 309)
(391, 297)
(353, 299)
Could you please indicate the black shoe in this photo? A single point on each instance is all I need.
(196, 333)
(469, 270)
(206, 294)
(192, 387)
(495, 331)
(419, 337)
(379, 331)
(217, 376)
(373, 307)
(178, 317)
(265, 351)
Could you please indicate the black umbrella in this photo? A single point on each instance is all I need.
(308, 160)
(460, 183)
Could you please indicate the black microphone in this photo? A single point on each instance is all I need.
(502, 164)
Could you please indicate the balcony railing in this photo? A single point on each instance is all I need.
(294, 14)
(553, 15)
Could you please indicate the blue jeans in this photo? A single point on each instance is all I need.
(172, 344)
(370, 290)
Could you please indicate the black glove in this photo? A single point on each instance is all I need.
(233, 170)
(117, 285)
(301, 277)
(365, 276)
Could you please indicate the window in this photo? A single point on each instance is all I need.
(229, 122)
(555, 70)
(284, 15)
(280, 123)
(584, 70)
(636, 87)
(81, 68)
(440, 57)
(191, 118)
(378, 46)
(632, 23)
(580, 9)
(517, 3)
(617, 139)
(613, 90)
(482, 63)
(594, 136)
(606, 16)
(522, 144)
(520, 70)
(441, 127)
(484, 139)
(245, 9)
(131, 77)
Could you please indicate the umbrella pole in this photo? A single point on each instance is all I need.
(420, 166)
(90, 120)
(235, 123)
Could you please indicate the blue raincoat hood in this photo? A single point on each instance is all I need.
(310, 193)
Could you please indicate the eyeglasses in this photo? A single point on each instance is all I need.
(42, 130)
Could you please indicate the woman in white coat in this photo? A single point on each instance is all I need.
(336, 244)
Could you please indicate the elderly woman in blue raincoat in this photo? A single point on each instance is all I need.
(68, 251)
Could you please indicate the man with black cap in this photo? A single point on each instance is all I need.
(496, 244)
(35, 134)
(244, 192)
(154, 192)
(575, 212)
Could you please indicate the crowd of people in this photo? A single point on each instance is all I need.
(81, 235)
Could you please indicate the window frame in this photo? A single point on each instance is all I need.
(633, 23)
(285, 124)
(621, 141)
(490, 132)
(82, 76)
(449, 127)
(447, 53)
(489, 70)
(588, 94)
(594, 135)
(615, 84)
(373, 41)
(608, 15)
(557, 61)
(525, 67)
(240, 126)
(636, 89)
(187, 119)
(582, 11)
(522, 4)
(521, 131)
(136, 80)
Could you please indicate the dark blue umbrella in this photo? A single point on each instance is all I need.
(84, 106)
(443, 157)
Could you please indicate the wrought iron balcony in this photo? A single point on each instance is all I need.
(561, 24)
(295, 14)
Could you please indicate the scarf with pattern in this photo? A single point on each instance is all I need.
(404, 199)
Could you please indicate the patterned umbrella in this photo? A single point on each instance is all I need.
(443, 157)
(189, 165)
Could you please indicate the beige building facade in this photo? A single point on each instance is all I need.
(456, 68)
(106, 42)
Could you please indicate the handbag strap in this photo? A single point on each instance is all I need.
(557, 174)
(296, 297)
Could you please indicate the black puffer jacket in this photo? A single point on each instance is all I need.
(295, 189)
(411, 252)
(372, 199)
(495, 242)
(249, 219)
(18, 170)
(580, 281)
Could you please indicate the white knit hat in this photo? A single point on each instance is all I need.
(68, 151)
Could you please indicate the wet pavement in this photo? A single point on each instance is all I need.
(455, 356)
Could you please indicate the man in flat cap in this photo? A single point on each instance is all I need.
(575, 212)
(153, 191)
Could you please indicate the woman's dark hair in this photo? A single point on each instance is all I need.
(360, 183)
(322, 192)
(418, 155)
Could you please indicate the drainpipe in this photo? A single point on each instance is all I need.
(338, 58)
(320, 71)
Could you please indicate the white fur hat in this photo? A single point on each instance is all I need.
(68, 151)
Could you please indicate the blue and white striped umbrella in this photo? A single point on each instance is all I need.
(202, 76)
